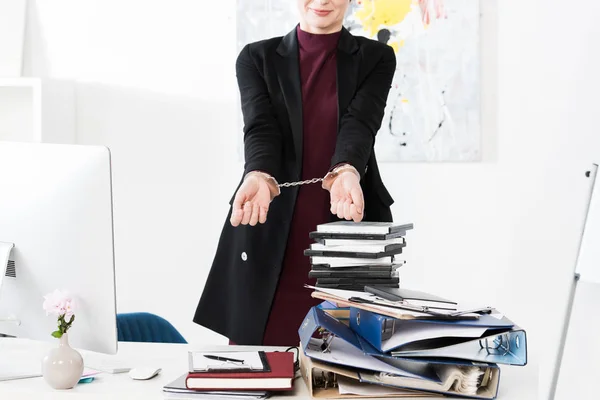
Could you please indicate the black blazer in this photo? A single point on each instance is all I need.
(241, 284)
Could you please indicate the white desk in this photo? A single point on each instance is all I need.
(516, 383)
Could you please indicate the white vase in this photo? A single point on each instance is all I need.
(62, 367)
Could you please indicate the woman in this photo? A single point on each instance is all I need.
(312, 102)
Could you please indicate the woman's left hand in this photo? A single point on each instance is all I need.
(346, 196)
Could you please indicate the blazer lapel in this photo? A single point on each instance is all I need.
(347, 70)
(288, 65)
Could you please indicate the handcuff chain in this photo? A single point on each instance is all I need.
(309, 181)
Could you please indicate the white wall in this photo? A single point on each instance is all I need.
(156, 83)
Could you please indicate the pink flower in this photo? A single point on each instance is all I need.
(59, 303)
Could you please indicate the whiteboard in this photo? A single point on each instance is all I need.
(578, 370)
(588, 262)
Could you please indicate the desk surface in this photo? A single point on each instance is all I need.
(516, 383)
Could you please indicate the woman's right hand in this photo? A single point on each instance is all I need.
(251, 203)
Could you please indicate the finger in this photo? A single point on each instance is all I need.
(263, 214)
(340, 210)
(254, 216)
(347, 205)
(334, 206)
(352, 212)
(237, 212)
(357, 198)
(236, 216)
(356, 217)
(334, 202)
(247, 213)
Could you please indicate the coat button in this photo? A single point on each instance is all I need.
(244, 256)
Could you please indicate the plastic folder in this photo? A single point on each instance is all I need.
(342, 346)
(339, 345)
(504, 348)
(342, 314)
(325, 381)
(486, 339)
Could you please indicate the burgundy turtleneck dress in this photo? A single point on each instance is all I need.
(318, 74)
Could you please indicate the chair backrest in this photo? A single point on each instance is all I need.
(146, 327)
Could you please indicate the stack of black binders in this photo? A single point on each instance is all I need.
(349, 255)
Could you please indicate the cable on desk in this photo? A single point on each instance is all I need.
(297, 362)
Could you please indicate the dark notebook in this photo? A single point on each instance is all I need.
(356, 236)
(353, 287)
(350, 274)
(356, 253)
(359, 268)
(359, 281)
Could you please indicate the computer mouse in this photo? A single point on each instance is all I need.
(143, 373)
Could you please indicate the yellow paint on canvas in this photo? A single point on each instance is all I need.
(397, 45)
(378, 13)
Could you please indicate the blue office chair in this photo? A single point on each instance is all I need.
(146, 327)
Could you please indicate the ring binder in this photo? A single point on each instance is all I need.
(324, 379)
(327, 340)
(501, 342)
(388, 328)
(493, 340)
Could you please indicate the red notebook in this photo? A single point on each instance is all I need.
(279, 379)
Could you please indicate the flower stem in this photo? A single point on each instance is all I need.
(63, 326)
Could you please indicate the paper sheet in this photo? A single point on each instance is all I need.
(350, 386)
(178, 390)
(344, 294)
(414, 331)
(382, 305)
(251, 360)
(343, 353)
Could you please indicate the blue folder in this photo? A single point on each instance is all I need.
(345, 347)
(318, 322)
(500, 341)
(340, 313)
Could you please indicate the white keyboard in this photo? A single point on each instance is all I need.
(16, 370)
(109, 365)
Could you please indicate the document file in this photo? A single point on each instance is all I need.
(502, 342)
(387, 334)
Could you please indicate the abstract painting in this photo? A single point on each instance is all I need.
(433, 109)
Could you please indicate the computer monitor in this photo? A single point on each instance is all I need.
(56, 209)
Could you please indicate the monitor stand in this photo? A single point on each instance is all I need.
(5, 250)
(12, 367)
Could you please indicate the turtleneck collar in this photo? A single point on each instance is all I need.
(317, 42)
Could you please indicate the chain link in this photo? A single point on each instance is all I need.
(290, 184)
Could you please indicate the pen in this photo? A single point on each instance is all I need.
(223, 359)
